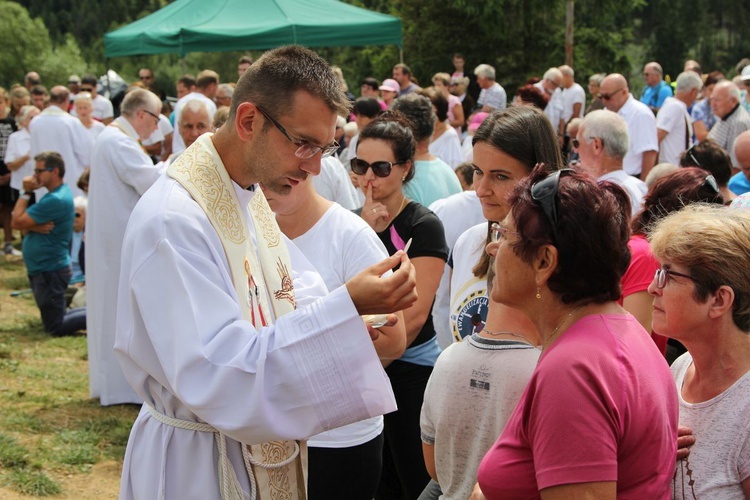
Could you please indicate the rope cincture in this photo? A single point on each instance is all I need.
(229, 484)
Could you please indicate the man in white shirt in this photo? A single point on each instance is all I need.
(674, 127)
(122, 174)
(616, 96)
(573, 96)
(55, 130)
(206, 86)
(103, 110)
(492, 96)
(602, 143)
(208, 332)
(550, 86)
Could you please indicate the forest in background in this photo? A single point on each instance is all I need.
(521, 38)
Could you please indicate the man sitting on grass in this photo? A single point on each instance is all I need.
(48, 225)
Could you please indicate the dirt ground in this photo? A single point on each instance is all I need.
(102, 482)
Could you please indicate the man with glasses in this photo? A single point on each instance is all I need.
(55, 130)
(674, 128)
(103, 110)
(656, 90)
(616, 96)
(122, 173)
(48, 225)
(222, 328)
(602, 143)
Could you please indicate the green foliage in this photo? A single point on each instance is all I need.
(31, 482)
(12, 454)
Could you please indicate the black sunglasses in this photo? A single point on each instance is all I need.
(545, 192)
(711, 183)
(86, 89)
(379, 168)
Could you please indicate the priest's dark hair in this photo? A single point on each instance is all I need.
(277, 75)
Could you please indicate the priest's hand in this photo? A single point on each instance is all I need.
(372, 294)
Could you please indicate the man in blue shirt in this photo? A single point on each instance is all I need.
(48, 226)
(656, 90)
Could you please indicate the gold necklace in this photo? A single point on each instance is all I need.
(489, 332)
(552, 335)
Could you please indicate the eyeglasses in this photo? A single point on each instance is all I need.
(545, 192)
(607, 97)
(150, 113)
(86, 89)
(379, 168)
(78, 215)
(661, 277)
(39, 171)
(689, 153)
(498, 231)
(305, 150)
(576, 143)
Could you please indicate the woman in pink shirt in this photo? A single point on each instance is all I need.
(599, 417)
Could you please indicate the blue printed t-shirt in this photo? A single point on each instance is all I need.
(655, 96)
(50, 252)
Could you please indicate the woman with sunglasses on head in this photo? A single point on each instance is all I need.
(463, 414)
(598, 418)
(702, 297)
(384, 162)
(667, 195)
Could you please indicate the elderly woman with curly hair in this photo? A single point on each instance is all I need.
(598, 418)
(702, 297)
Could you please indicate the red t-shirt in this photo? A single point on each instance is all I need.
(639, 275)
(600, 406)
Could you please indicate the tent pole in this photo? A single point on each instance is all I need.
(183, 64)
(401, 55)
(106, 72)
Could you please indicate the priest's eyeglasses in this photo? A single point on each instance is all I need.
(305, 150)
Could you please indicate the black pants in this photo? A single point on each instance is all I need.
(49, 292)
(404, 474)
(346, 473)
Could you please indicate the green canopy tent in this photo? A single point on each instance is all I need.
(226, 25)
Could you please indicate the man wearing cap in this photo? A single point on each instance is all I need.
(389, 90)
(732, 117)
(745, 77)
(74, 81)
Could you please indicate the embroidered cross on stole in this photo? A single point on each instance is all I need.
(263, 285)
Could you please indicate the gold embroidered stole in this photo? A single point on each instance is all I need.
(200, 171)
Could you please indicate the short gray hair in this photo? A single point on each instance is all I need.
(83, 97)
(139, 99)
(486, 71)
(597, 78)
(80, 202)
(566, 70)
(611, 129)
(656, 67)
(552, 74)
(227, 89)
(196, 106)
(688, 80)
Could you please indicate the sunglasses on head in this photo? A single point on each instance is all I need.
(379, 168)
(545, 193)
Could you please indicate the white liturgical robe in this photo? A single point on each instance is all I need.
(122, 173)
(55, 130)
(185, 348)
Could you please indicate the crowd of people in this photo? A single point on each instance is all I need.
(447, 292)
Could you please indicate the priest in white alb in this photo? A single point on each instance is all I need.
(223, 328)
(121, 173)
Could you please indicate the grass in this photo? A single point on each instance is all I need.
(50, 430)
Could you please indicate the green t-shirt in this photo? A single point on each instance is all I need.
(50, 252)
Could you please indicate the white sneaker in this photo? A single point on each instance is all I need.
(9, 250)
